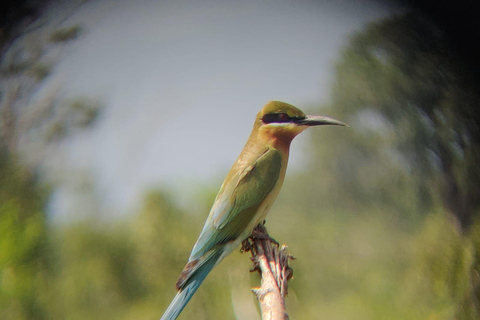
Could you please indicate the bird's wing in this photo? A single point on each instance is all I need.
(238, 202)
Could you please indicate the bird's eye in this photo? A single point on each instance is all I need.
(276, 117)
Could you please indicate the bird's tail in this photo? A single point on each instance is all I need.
(191, 285)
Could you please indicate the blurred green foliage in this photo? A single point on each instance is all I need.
(24, 250)
(384, 222)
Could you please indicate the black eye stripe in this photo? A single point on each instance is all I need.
(278, 118)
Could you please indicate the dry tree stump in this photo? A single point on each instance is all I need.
(272, 264)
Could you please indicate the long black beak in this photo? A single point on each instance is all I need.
(320, 121)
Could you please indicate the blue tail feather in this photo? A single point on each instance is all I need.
(187, 291)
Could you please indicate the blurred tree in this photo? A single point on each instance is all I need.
(31, 48)
(412, 106)
(27, 126)
(414, 152)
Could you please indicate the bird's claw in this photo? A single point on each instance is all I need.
(256, 265)
(261, 233)
(246, 246)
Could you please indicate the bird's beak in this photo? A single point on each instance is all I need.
(320, 121)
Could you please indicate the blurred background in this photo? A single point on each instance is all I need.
(120, 119)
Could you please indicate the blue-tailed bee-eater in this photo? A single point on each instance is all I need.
(246, 195)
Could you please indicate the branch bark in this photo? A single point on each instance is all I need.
(272, 264)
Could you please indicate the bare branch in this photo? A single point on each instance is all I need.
(272, 264)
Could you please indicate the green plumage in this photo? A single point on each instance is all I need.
(237, 203)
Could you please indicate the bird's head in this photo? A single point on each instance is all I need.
(282, 121)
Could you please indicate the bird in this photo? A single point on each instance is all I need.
(246, 195)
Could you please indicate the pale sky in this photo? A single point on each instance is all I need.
(182, 82)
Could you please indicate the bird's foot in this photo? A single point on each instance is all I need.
(246, 246)
(261, 233)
